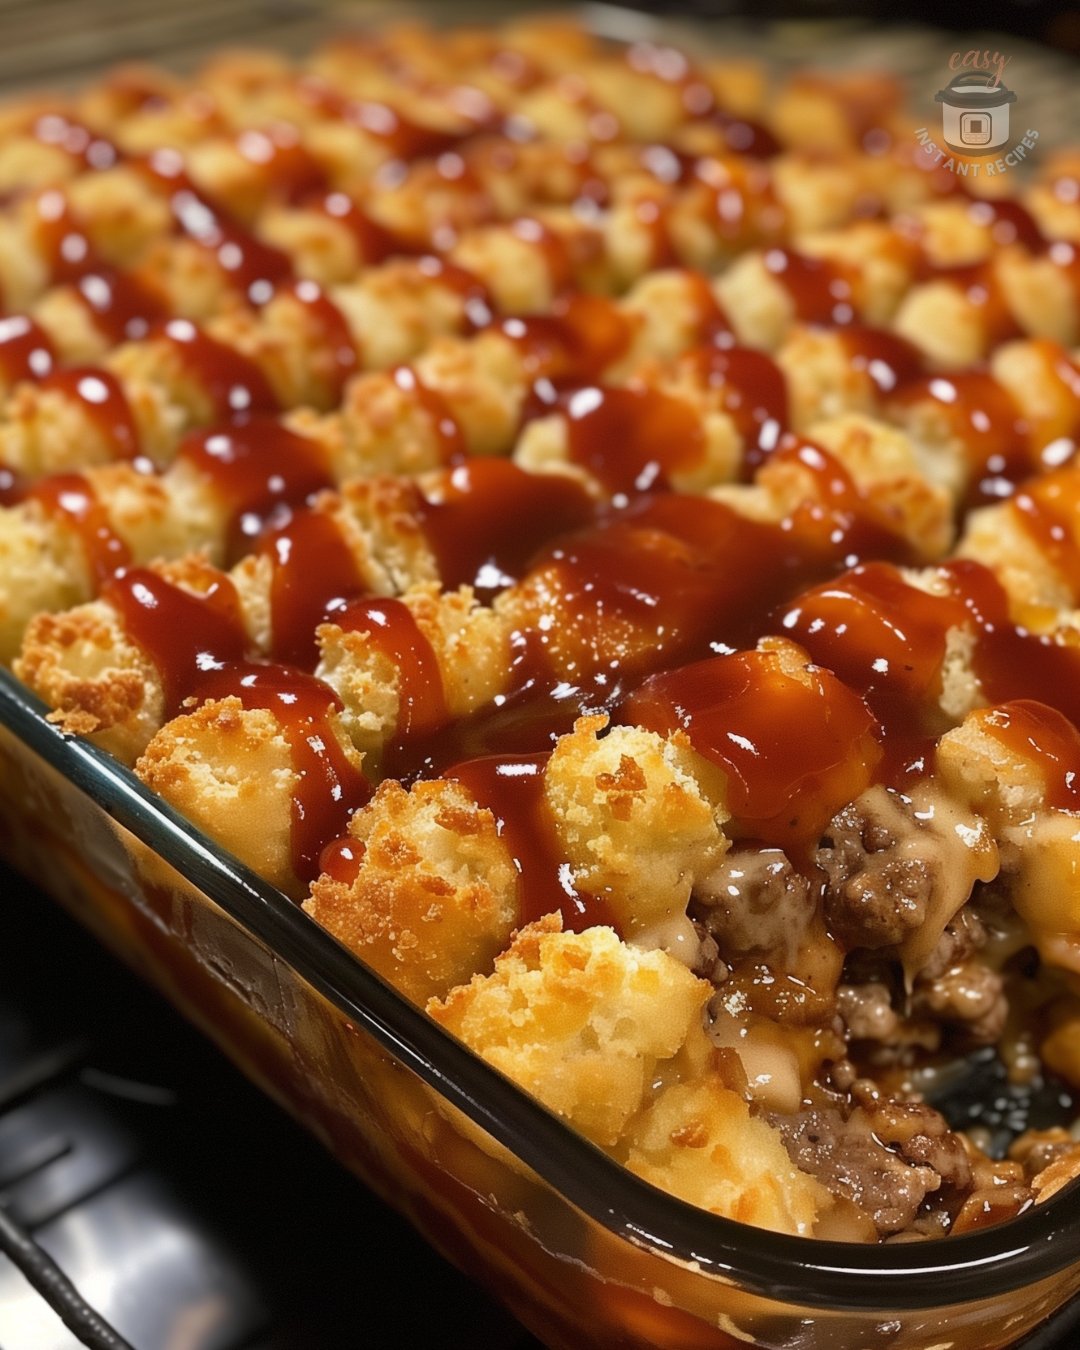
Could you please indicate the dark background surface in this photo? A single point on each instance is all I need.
(1047, 21)
(185, 1206)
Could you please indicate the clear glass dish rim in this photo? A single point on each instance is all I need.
(808, 1272)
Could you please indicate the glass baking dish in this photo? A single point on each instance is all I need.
(585, 1253)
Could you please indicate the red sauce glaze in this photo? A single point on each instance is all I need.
(328, 789)
(375, 242)
(254, 268)
(103, 403)
(232, 382)
(632, 439)
(983, 417)
(577, 341)
(197, 645)
(819, 289)
(488, 517)
(553, 248)
(838, 517)
(342, 858)
(121, 306)
(395, 634)
(512, 789)
(667, 164)
(526, 720)
(590, 186)
(257, 467)
(874, 630)
(662, 582)
(70, 498)
(890, 361)
(184, 635)
(1034, 731)
(647, 587)
(455, 181)
(742, 206)
(1049, 508)
(655, 216)
(314, 576)
(657, 583)
(887, 641)
(403, 137)
(88, 148)
(1010, 222)
(335, 336)
(1010, 662)
(979, 284)
(447, 430)
(744, 136)
(712, 325)
(477, 302)
(793, 753)
(26, 352)
(753, 393)
(12, 487)
(290, 171)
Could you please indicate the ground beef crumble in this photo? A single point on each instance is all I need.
(964, 935)
(755, 900)
(898, 1161)
(875, 894)
(867, 1011)
(887, 1157)
(955, 997)
(968, 998)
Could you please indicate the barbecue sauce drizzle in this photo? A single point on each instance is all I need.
(198, 645)
(233, 383)
(492, 525)
(26, 350)
(512, 788)
(887, 640)
(392, 630)
(793, 753)
(126, 306)
(121, 305)
(256, 467)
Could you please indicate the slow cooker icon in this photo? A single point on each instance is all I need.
(975, 112)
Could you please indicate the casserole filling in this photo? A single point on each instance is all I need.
(605, 538)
